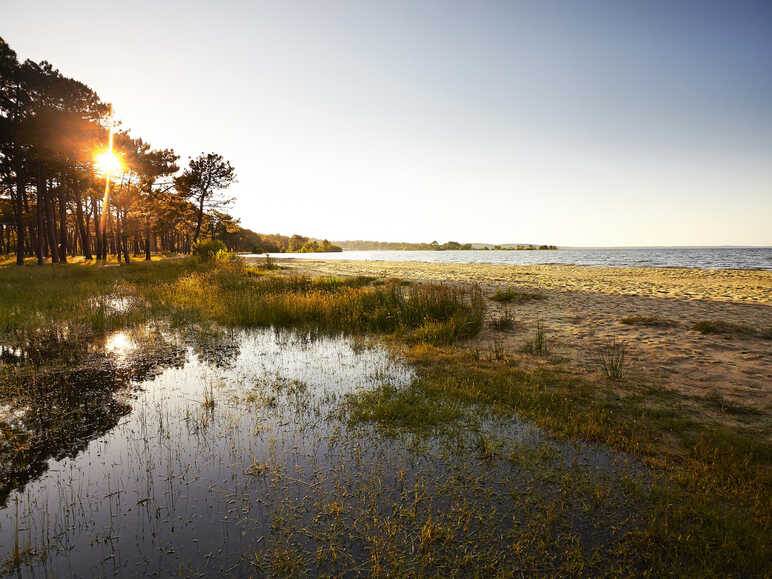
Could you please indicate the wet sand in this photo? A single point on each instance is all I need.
(584, 307)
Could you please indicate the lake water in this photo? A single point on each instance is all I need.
(689, 257)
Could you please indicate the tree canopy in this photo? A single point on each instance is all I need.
(57, 201)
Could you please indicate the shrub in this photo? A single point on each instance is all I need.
(207, 250)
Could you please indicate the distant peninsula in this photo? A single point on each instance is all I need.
(363, 245)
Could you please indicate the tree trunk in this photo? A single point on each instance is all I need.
(117, 233)
(19, 217)
(82, 229)
(62, 228)
(87, 223)
(97, 233)
(147, 238)
(39, 245)
(124, 238)
(50, 228)
(200, 219)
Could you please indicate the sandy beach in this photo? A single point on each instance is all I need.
(583, 309)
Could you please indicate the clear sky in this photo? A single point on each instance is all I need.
(574, 123)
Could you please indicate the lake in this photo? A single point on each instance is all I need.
(689, 257)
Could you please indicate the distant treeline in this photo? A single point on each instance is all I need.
(247, 241)
(362, 245)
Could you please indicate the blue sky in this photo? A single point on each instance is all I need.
(575, 123)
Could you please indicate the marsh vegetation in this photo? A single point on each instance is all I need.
(184, 417)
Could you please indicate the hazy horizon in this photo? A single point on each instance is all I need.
(577, 124)
(505, 243)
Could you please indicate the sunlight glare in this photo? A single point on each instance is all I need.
(120, 344)
(106, 162)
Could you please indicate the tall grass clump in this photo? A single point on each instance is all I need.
(611, 359)
(435, 314)
(503, 322)
(538, 344)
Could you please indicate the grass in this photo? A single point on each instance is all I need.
(243, 298)
(711, 513)
(502, 322)
(395, 408)
(76, 298)
(611, 359)
(722, 327)
(538, 345)
(209, 400)
(514, 296)
(649, 321)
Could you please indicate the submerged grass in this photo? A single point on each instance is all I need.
(394, 408)
(710, 516)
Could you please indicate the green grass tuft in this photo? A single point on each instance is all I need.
(538, 345)
(722, 327)
(511, 295)
(649, 321)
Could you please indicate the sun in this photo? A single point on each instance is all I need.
(106, 162)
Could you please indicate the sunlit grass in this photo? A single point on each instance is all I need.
(431, 313)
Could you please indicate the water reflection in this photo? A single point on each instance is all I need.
(54, 409)
(126, 469)
(120, 344)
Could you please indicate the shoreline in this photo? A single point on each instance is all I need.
(715, 285)
(282, 257)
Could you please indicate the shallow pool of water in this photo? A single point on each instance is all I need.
(229, 452)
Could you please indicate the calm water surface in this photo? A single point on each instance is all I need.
(690, 257)
(115, 466)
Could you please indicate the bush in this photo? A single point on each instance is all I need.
(207, 250)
